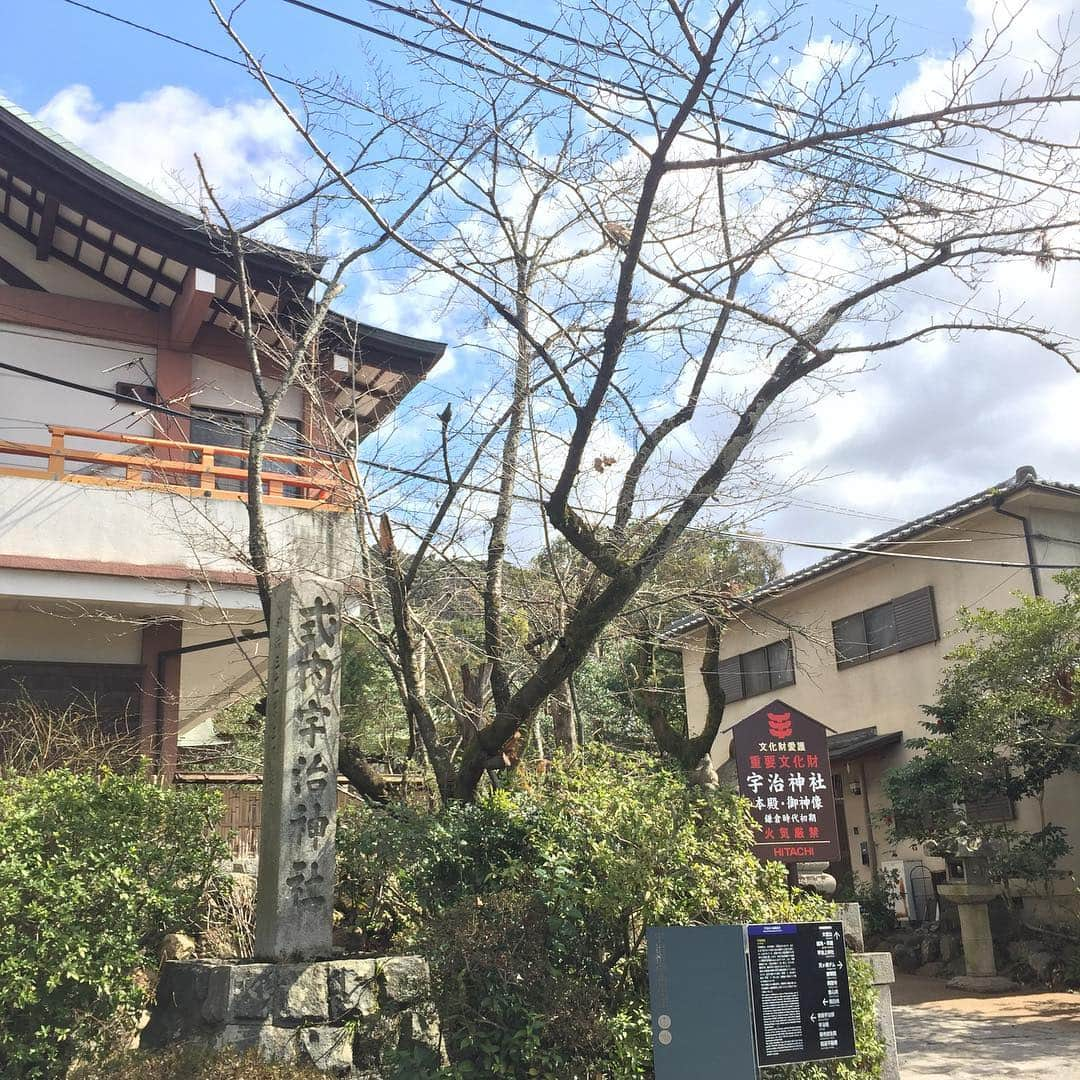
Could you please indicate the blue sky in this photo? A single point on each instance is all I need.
(121, 63)
(145, 105)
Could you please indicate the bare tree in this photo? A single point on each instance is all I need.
(668, 245)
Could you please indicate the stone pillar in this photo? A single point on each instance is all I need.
(972, 903)
(295, 900)
(851, 917)
(881, 968)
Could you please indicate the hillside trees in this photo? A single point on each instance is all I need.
(663, 246)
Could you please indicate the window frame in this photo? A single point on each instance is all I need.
(777, 678)
(846, 647)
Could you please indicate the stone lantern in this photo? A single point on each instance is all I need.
(969, 887)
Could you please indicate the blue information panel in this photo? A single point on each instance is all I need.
(800, 993)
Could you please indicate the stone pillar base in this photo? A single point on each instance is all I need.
(342, 1016)
(881, 974)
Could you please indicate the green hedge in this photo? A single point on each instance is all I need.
(94, 870)
(532, 906)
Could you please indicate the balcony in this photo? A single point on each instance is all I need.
(191, 469)
(112, 518)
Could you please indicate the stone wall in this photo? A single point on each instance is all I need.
(343, 1016)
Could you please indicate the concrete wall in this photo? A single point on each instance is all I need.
(132, 528)
(888, 691)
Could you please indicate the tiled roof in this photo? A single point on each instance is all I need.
(1024, 478)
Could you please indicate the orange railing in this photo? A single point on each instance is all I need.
(188, 468)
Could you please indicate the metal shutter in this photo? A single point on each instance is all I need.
(993, 809)
(730, 674)
(916, 620)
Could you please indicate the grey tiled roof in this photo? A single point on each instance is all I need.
(1024, 478)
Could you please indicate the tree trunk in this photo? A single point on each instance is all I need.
(561, 708)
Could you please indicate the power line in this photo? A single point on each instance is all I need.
(603, 82)
(768, 103)
(634, 93)
(476, 66)
(845, 549)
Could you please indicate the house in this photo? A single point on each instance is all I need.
(858, 642)
(125, 405)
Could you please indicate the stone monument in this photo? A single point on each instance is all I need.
(296, 1001)
(295, 901)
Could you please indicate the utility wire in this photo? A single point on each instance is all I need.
(768, 103)
(485, 69)
(635, 94)
(351, 103)
(755, 537)
(845, 549)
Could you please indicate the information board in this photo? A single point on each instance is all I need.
(799, 991)
(782, 759)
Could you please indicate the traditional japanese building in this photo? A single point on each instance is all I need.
(858, 642)
(126, 401)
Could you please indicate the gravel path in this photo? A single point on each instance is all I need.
(970, 1037)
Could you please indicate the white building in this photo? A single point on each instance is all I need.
(123, 526)
(858, 641)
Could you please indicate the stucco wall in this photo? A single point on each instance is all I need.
(29, 405)
(83, 523)
(27, 632)
(888, 692)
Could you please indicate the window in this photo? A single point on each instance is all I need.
(757, 671)
(216, 427)
(900, 624)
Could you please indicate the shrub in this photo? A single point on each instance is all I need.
(94, 870)
(35, 738)
(188, 1062)
(876, 899)
(532, 906)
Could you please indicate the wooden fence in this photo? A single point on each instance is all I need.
(242, 795)
(166, 464)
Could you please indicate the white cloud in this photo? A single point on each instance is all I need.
(245, 146)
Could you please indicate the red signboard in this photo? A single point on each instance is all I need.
(783, 762)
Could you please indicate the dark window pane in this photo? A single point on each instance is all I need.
(849, 637)
(755, 672)
(880, 629)
(781, 669)
(212, 428)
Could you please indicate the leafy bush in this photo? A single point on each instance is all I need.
(187, 1062)
(876, 899)
(532, 906)
(94, 870)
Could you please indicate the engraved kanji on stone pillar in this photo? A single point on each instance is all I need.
(295, 903)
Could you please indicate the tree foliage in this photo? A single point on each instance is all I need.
(532, 905)
(94, 870)
(1006, 721)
